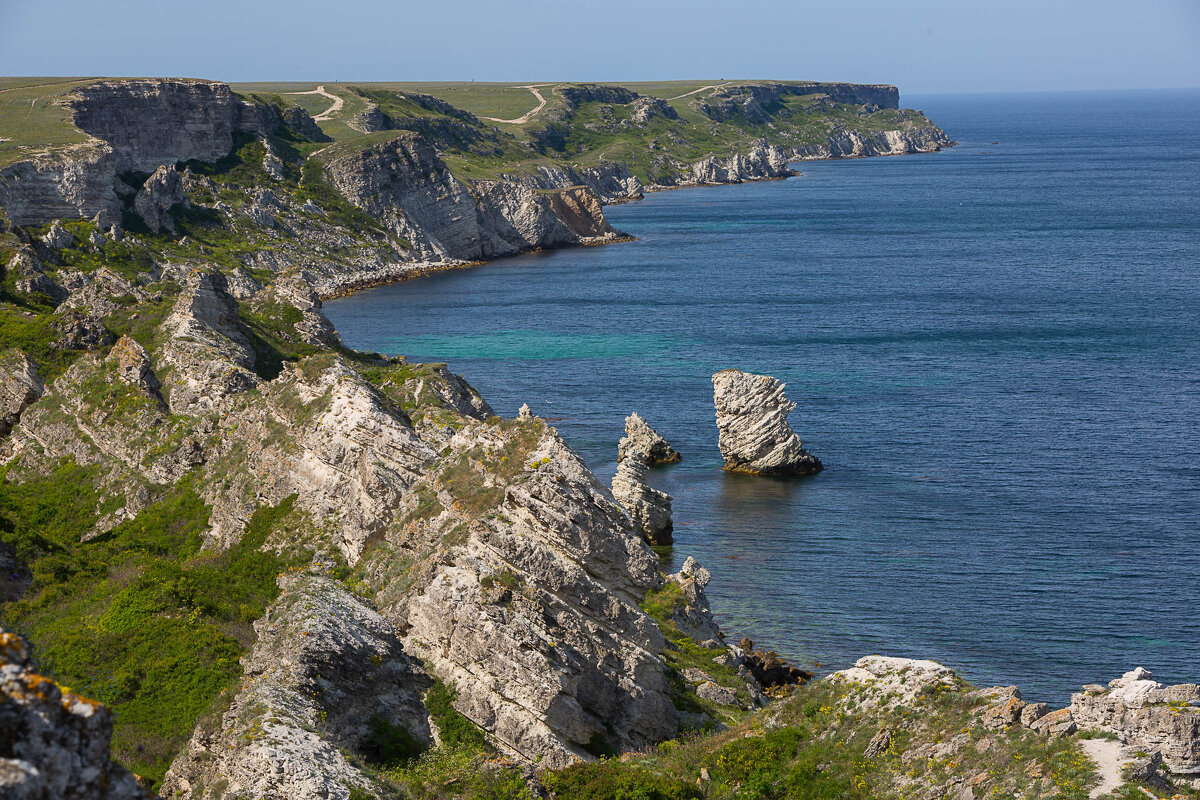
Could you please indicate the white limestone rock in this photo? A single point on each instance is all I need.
(752, 421)
(207, 347)
(324, 667)
(649, 508)
(1146, 713)
(161, 192)
(643, 442)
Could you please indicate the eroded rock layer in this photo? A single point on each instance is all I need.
(752, 422)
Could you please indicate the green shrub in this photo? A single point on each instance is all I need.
(388, 745)
(610, 780)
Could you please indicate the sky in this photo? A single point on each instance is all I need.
(923, 46)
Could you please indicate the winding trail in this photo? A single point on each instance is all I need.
(1108, 759)
(528, 115)
(328, 113)
(698, 91)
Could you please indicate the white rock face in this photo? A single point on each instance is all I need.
(754, 434)
(324, 667)
(208, 348)
(161, 191)
(644, 443)
(61, 739)
(649, 508)
(19, 386)
(405, 184)
(1148, 714)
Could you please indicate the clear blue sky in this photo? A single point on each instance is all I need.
(920, 45)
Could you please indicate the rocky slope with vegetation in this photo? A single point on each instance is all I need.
(288, 569)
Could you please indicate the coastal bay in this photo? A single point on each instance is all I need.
(990, 348)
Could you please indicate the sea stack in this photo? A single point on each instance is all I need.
(754, 435)
(649, 508)
(643, 442)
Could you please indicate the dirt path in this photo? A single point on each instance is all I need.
(329, 112)
(1108, 759)
(528, 115)
(698, 91)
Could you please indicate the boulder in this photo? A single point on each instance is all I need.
(58, 237)
(1148, 714)
(19, 386)
(1057, 723)
(649, 508)
(769, 669)
(161, 192)
(1004, 714)
(754, 434)
(643, 442)
(26, 270)
(54, 744)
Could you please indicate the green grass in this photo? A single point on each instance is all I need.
(31, 119)
(139, 618)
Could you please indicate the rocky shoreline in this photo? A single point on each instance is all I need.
(295, 570)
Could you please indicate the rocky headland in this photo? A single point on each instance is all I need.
(281, 568)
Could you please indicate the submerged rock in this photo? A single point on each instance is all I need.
(1144, 712)
(649, 508)
(644, 443)
(755, 437)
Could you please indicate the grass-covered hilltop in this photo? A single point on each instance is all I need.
(259, 564)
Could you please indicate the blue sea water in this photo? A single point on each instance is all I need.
(995, 350)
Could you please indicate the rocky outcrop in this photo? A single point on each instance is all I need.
(853, 144)
(611, 182)
(649, 508)
(155, 121)
(207, 352)
(325, 682)
(138, 125)
(646, 109)
(161, 192)
(693, 616)
(19, 386)
(596, 93)
(370, 120)
(1148, 714)
(534, 618)
(884, 680)
(754, 434)
(756, 103)
(645, 444)
(72, 182)
(25, 268)
(762, 162)
(53, 743)
(405, 184)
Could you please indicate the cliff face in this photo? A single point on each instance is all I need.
(757, 102)
(161, 121)
(405, 184)
(71, 183)
(138, 126)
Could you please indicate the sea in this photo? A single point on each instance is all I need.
(994, 349)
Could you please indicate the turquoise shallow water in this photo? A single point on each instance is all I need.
(994, 350)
